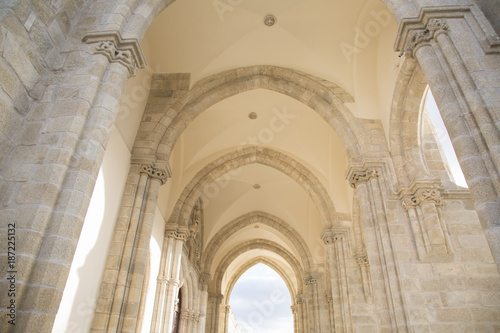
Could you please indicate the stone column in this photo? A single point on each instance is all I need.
(329, 299)
(454, 48)
(119, 297)
(213, 315)
(49, 201)
(168, 278)
(302, 318)
(295, 318)
(227, 310)
(203, 304)
(428, 229)
(334, 239)
(312, 282)
(184, 321)
(368, 181)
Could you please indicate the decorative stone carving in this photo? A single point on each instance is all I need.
(424, 195)
(420, 196)
(421, 37)
(363, 176)
(179, 233)
(362, 258)
(310, 280)
(300, 299)
(205, 278)
(409, 201)
(117, 49)
(155, 173)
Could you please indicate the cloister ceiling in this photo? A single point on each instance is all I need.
(317, 37)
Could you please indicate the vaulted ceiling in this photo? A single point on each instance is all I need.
(346, 43)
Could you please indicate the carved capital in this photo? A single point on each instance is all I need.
(362, 258)
(420, 196)
(363, 176)
(327, 237)
(179, 233)
(335, 235)
(205, 278)
(409, 201)
(300, 299)
(419, 37)
(125, 51)
(310, 280)
(155, 173)
(428, 195)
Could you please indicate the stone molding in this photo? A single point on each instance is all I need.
(334, 235)
(421, 37)
(362, 258)
(160, 174)
(262, 218)
(205, 278)
(176, 232)
(311, 280)
(431, 21)
(125, 51)
(420, 196)
(357, 177)
(300, 299)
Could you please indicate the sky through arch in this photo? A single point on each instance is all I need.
(261, 302)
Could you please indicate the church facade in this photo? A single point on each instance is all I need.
(153, 151)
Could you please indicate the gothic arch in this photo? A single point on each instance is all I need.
(405, 118)
(251, 218)
(247, 266)
(325, 97)
(246, 156)
(261, 244)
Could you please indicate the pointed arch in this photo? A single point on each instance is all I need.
(260, 244)
(256, 217)
(404, 131)
(324, 97)
(260, 260)
(250, 155)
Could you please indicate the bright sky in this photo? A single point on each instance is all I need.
(261, 302)
(444, 139)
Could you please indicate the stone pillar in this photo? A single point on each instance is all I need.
(213, 315)
(203, 304)
(119, 297)
(295, 318)
(312, 282)
(302, 318)
(457, 54)
(428, 229)
(331, 318)
(368, 181)
(227, 310)
(168, 278)
(184, 321)
(48, 202)
(334, 239)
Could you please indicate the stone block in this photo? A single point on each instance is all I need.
(21, 64)
(453, 315)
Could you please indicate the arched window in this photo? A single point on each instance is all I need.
(261, 302)
(436, 144)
